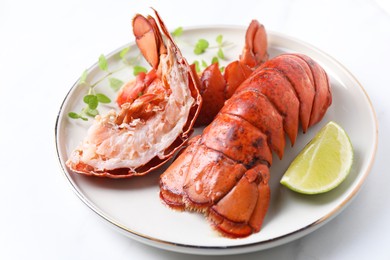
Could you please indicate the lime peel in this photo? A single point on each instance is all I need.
(322, 164)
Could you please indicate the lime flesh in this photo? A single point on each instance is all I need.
(323, 164)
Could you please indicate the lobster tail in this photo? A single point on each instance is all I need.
(225, 171)
(157, 112)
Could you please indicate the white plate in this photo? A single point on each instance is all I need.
(133, 205)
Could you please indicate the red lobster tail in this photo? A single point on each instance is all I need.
(157, 112)
(225, 171)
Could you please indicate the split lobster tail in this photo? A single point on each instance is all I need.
(157, 112)
(216, 87)
(224, 172)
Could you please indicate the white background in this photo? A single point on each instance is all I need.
(44, 47)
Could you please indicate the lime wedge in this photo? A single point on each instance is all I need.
(323, 164)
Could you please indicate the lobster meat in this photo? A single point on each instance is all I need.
(154, 121)
(224, 172)
(215, 87)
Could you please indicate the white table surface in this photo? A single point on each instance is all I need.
(44, 47)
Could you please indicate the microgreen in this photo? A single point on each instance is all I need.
(220, 44)
(103, 98)
(83, 77)
(177, 32)
(219, 39)
(197, 67)
(220, 54)
(92, 102)
(93, 99)
(115, 83)
(75, 115)
(201, 46)
(122, 53)
(103, 65)
(138, 69)
(91, 112)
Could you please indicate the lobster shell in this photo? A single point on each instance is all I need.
(224, 172)
(216, 87)
(170, 97)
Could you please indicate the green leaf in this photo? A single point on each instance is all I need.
(83, 77)
(214, 60)
(222, 69)
(204, 64)
(123, 52)
(220, 54)
(202, 43)
(91, 112)
(197, 67)
(91, 101)
(75, 115)
(198, 51)
(138, 70)
(103, 98)
(103, 65)
(177, 32)
(219, 39)
(201, 46)
(87, 98)
(115, 83)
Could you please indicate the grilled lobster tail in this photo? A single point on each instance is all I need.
(156, 117)
(225, 171)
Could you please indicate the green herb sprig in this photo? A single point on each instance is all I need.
(92, 99)
(202, 45)
(177, 32)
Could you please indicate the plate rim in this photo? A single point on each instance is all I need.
(229, 249)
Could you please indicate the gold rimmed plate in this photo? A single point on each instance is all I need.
(133, 206)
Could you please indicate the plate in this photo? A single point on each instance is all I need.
(133, 207)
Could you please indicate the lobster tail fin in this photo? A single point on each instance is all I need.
(241, 212)
(148, 39)
(213, 93)
(235, 73)
(255, 50)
